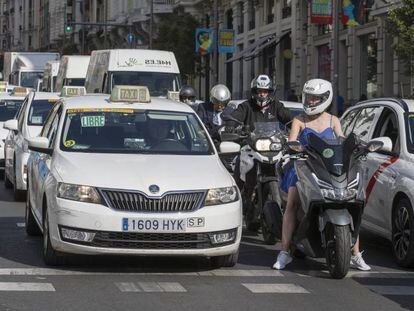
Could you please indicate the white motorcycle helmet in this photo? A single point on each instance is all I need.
(316, 96)
(262, 82)
(220, 95)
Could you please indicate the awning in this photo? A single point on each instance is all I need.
(249, 49)
(257, 47)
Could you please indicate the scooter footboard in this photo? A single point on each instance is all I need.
(340, 217)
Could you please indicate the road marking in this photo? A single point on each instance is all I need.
(26, 287)
(275, 288)
(241, 273)
(21, 224)
(392, 290)
(151, 287)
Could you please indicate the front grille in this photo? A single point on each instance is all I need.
(139, 202)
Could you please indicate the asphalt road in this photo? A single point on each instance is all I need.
(114, 283)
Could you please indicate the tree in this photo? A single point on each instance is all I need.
(176, 33)
(400, 25)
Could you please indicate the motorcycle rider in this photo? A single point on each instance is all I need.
(261, 107)
(187, 96)
(316, 98)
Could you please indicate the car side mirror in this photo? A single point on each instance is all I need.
(40, 144)
(227, 147)
(11, 125)
(380, 144)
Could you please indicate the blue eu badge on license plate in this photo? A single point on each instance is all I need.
(125, 224)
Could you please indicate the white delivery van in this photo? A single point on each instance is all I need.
(49, 76)
(72, 71)
(24, 68)
(157, 70)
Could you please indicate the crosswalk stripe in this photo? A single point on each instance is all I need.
(275, 288)
(127, 287)
(172, 287)
(27, 287)
(392, 290)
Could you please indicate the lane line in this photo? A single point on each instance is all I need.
(127, 287)
(172, 287)
(26, 287)
(392, 290)
(275, 288)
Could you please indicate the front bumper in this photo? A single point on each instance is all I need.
(109, 238)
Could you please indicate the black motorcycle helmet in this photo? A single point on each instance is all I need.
(187, 94)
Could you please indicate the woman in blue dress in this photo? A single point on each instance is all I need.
(316, 97)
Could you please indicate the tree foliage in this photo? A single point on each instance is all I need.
(176, 33)
(401, 26)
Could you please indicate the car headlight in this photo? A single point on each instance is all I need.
(263, 144)
(78, 193)
(221, 196)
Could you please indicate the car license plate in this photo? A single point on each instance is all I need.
(161, 225)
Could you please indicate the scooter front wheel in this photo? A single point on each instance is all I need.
(338, 249)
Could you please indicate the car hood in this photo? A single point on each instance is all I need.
(138, 172)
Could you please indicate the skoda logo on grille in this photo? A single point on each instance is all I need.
(154, 189)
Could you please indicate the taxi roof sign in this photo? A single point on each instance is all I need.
(73, 91)
(19, 91)
(173, 95)
(130, 94)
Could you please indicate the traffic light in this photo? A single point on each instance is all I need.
(68, 27)
(69, 23)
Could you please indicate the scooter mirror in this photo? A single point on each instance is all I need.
(226, 136)
(295, 146)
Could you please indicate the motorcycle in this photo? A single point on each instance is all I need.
(261, 151)
(331, 196)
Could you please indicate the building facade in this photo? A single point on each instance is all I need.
(276, 37)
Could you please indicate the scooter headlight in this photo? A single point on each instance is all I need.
(263, 144)
(338, 194)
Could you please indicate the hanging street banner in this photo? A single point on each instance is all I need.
(226, 41)
(321, 12)
(353, 12)
(204, 40)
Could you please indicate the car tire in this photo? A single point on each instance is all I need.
(7, 183)
(50, 256)
(18, 195)
(32, 229)
(225, 261)
(403, 233)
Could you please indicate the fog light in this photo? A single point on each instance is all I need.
(223, 237)
(82, 236)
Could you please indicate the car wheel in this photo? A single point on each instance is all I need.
(50, 256)
(32, 229)
(7, 183)
(403, 233)
(18, 195)
(225, 261)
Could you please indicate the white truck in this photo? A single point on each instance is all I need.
(50, 75)
(157, 70)
(24, 68)
(72, 71)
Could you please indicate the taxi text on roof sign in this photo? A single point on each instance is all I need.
(19, 91)
(173, 95)
(71, 91)
(131, 94)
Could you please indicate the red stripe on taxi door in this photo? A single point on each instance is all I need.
(377, 173)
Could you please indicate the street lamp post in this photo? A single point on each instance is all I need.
(335, 80)
(215, 50)
(151, 23)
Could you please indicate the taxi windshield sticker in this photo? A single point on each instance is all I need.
(93, 121)
(69, 143)
(328, 153)
(117, 110)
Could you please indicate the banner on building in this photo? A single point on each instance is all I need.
(204, 40)
(321, 11)
(353, 12)
(226, 41)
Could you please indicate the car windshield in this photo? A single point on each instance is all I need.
(75, 82)
(133, 131)
(9, 108)
(29, 79)
(158, 83)
(39, 110)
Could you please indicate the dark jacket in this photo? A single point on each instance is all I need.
(249, 113)
(209, 119)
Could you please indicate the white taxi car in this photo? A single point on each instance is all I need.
(29, 123)
(130, 175)
(9, 106)
(388, 175)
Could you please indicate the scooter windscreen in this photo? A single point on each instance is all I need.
(268, 136)
(335, 154)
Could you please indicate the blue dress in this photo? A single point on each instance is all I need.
(290, 178)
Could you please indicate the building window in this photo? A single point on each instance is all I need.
(324, 29)
(269, 10)
(368, 8)
(287, 8)
(252, 16)
(229, 19)
(369, 62)
(240, 28)
(324, 62)
(30, 41)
